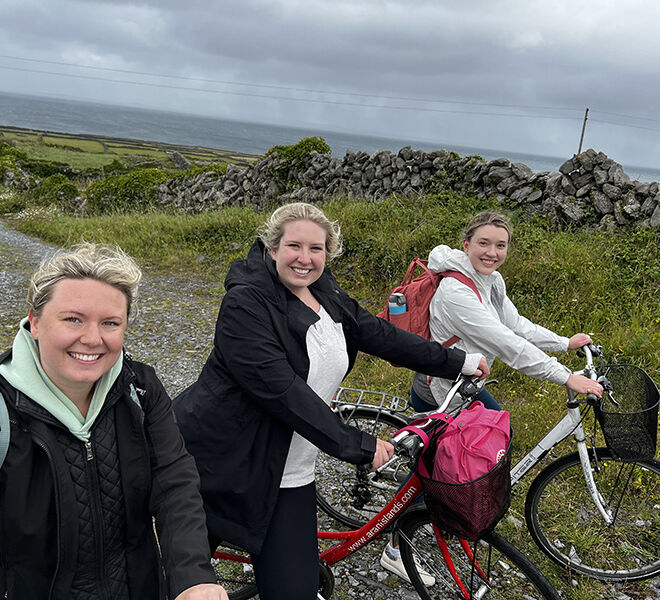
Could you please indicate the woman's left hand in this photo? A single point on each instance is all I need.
(579, 340)
(203, 591)
(384, 451)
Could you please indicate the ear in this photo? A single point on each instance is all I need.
(465, 246)
(34, 325)
(273, 254)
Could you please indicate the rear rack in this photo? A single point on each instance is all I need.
(355, 397)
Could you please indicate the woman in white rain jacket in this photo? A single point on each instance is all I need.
(490, 325)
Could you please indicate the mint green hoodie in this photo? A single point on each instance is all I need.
(23, 371)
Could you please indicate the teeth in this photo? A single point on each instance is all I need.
(85, 357)
(301, 271)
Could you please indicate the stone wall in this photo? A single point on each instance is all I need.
(589, 189)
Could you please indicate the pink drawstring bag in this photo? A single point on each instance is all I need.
(472, 444)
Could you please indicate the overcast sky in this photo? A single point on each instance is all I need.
(512, 75)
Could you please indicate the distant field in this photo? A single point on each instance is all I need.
(84, 151)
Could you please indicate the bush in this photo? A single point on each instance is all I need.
(13, 154)
(56, 189)
(294, 157)
(131, 192)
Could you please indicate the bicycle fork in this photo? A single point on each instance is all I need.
(476, 570)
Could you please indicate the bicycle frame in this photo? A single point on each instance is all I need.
(571, 423)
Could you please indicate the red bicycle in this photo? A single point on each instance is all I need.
(489, 568)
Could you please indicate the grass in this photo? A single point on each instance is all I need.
(607, 284)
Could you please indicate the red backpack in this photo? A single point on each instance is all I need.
(418, 292)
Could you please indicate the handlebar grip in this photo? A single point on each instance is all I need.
(592, 398)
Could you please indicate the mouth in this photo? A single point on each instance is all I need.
(85, 357)
(301, 271)
(488, 263)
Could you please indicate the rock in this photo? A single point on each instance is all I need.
(655, 217)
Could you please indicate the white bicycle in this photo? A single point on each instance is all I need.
(595, 511)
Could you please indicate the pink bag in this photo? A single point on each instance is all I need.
(472, 444)
(470, 458)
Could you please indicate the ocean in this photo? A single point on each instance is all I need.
(70, 116)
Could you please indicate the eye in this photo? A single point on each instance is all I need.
(111, 323)
(72, 319)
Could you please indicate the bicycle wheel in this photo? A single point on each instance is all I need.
(504, 571)
(236, 577)
(566, 525)
(340, 491)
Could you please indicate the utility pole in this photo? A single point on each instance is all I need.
(584, 126)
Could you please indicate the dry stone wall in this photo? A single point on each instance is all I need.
(589, 189)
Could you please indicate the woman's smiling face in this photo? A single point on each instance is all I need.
(80, 332)
(300, 255)
(487, 248)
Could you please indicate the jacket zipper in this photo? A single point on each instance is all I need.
(97, 519)
(42, 444)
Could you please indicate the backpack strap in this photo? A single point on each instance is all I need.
(134, 395)
(4, 429)
(464, 279)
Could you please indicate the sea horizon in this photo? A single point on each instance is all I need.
(186, 129)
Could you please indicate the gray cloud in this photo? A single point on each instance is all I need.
(477, 55)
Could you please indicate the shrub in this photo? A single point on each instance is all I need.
(13, 154)
(56, 189)
(218, 169)
(135, 191)
(294, 157)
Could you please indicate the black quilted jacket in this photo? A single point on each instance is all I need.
(74, 528)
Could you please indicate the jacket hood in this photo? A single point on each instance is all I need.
(258, 271)
(443, 258)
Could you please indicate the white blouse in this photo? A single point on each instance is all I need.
(328, 363)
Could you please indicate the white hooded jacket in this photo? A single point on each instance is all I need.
(492, 327)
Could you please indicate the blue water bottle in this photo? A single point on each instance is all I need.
(396, 303)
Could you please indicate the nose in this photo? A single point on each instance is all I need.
(91, 336)
(304, 257)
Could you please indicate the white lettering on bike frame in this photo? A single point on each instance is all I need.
(387, 515)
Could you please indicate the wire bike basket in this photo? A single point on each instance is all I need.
(628, 415)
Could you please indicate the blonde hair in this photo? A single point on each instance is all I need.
(487, 217)
(272, 230)
(107, 264)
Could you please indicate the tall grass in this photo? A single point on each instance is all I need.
(607, 284)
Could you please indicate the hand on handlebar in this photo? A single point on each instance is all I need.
(583, 385)
(482, 370)
(384, 451)
(579, 340)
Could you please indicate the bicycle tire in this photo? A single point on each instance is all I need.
(507, 572)
(240, 583)
(336, 480)
(237, 580)
(564, 522)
